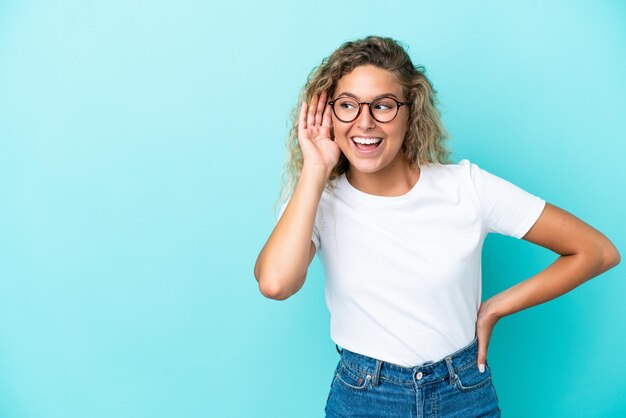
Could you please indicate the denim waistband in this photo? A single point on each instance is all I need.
(425, 373)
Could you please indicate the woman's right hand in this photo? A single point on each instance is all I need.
(318, 150)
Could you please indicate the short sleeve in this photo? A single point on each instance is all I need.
(507, 209)
(315, 237)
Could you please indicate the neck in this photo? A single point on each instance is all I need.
(393, 181)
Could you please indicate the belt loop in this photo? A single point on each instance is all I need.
(376, 377)
(339, 351)
(450, 370)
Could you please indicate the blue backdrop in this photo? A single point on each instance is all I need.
(140, 150)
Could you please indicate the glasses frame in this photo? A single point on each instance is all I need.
(369, 106)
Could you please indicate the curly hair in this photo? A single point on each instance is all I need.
(425, 135)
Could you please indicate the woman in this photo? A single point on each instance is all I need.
(399, 230)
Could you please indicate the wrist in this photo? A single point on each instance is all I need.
(314, 173)
(491, 311)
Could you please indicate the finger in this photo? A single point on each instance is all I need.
(327, 120)
(302, 120)
(310, 120)
(482, 353)
(321, 105)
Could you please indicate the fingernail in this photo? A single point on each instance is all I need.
(481, 367)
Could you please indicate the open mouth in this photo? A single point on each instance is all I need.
(366, 144)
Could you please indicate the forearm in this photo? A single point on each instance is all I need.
(282, 264)
(584, 253)
(563, 275)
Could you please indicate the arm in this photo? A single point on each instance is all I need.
(584, 253)
(282, 264)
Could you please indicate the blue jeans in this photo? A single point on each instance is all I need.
(453, 387)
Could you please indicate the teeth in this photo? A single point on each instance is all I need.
(362, 140)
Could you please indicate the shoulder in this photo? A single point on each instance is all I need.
(461, 170)
(463, 164)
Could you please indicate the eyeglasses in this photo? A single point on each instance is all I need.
(384, 109)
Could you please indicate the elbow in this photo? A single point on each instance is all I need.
(272, 291)
(276, 284)
(279, 289)
(606, 256)
(612, 258)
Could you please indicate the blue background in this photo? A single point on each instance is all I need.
(140, 150)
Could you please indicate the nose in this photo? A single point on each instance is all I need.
(365, 120)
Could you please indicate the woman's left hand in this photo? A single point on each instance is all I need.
(485, 323)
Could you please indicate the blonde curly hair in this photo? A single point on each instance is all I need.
(425, 135)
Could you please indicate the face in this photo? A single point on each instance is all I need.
(366, 83)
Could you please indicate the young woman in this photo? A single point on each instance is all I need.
(399, 230)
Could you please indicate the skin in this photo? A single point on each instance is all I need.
(584, 252)
(388, 173)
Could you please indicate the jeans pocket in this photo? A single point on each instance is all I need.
(353, 378)
(470, 378)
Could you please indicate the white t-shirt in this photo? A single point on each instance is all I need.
(403, 273)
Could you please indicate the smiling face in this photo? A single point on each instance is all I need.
(366, 83)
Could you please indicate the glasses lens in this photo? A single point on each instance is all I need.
(346, 108)
(384, 109)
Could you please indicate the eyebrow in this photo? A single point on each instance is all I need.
(345, 93)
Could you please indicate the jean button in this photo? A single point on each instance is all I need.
(419, 375)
